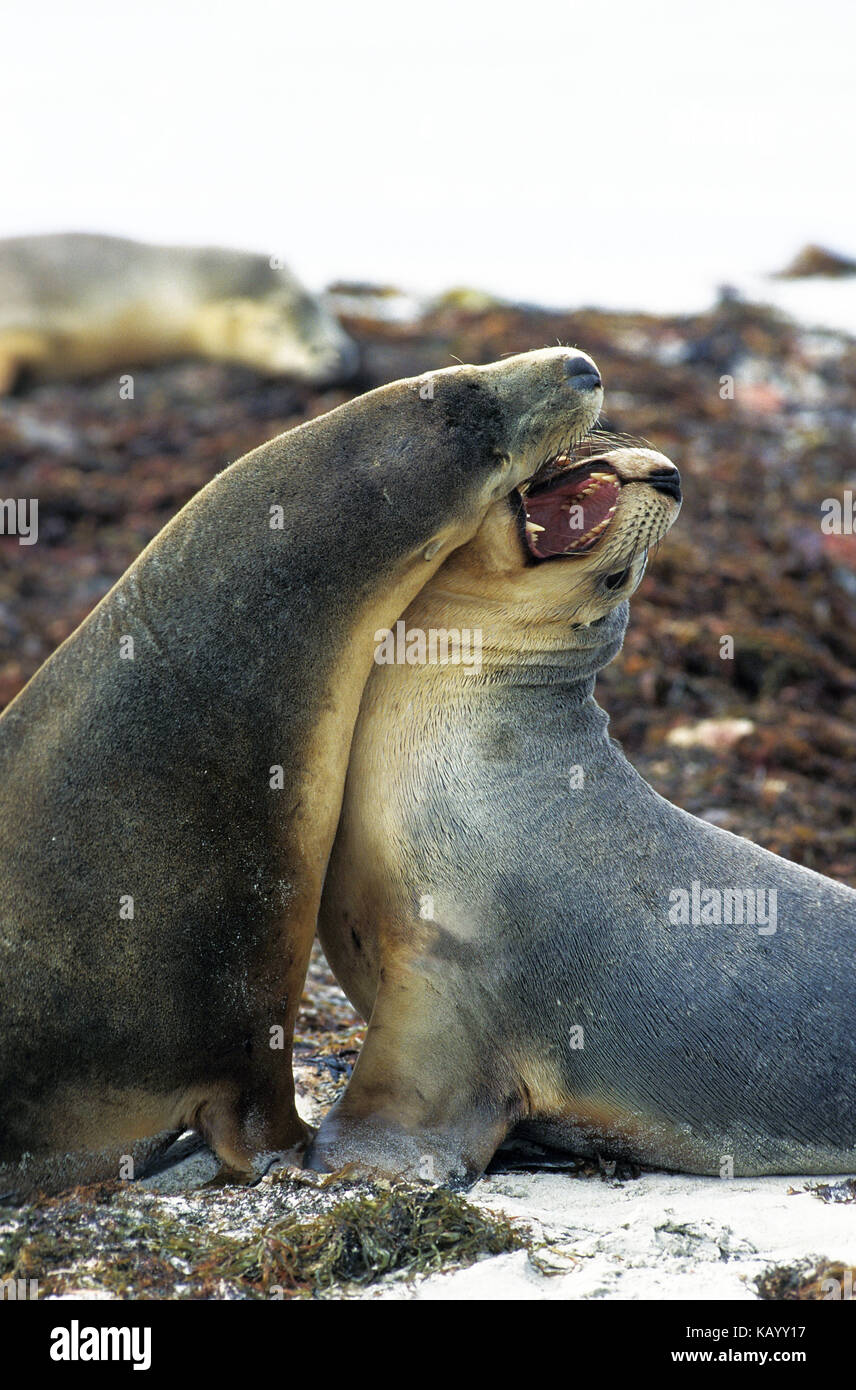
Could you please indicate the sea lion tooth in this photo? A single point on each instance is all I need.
(725, 1047)
(171, 778)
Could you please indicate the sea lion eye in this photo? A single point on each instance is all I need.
(614, 581)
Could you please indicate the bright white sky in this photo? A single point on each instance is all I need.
(548, 150)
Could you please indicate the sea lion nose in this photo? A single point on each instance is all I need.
(666, 480)
(582, 372)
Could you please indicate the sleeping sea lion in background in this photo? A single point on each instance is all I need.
(538, 939)
(171, 779)
(74, 303)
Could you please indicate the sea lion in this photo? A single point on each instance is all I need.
(171, 778)
(72, 304)
(531, 929)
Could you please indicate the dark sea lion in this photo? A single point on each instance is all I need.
(532, 931)
(171, 779)
(74, 303)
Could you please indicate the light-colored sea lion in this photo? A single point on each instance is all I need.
(532, 931)
(171, 779)
(73, 303)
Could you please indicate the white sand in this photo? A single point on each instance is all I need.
(660, 1236)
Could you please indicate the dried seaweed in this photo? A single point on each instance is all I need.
(298, 1238)
(806, 1281)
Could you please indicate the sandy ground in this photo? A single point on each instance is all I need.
(660, 1236)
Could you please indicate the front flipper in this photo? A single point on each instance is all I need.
(429, 1098)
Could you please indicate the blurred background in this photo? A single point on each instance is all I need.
(617, 154)
(470, 181)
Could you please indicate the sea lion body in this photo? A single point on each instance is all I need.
(73, 304)
(506, 896)
(167, 808)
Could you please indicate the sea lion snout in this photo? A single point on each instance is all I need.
(582, 371)
(667, 480)
(550, 400)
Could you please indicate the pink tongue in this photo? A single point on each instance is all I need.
(568, 517)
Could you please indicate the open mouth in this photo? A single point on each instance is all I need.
(568, 506)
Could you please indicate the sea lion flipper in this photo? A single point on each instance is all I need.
(244, 1130)
(400, 1117)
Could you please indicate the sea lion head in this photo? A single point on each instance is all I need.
(549, 402)
(427, 457)
(572, 543)
(602, 514)
(489, 429)
(286, 331)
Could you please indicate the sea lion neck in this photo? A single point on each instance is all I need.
(519, 645)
